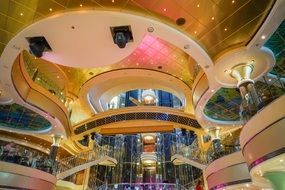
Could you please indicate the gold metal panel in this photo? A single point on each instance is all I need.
(13, 25)
(20, 13)
(49, 7)
(5, 37)
(205, 19)
(87, 4)
(4, 7)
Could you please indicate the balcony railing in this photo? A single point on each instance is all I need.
(39, 163)
(194, 153)
(141, 186)
(73, 164)
(41, 78)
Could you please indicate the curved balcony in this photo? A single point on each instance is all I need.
(200, 86)
(38, 96)
(17, 154)
(25, 168)
(138, 114)
(14, 176)
(38, 75)
(268, 124)
(262, 142)
(229, 172)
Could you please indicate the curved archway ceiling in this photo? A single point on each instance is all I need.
(15, 116)
(152, 53)
(215, 24)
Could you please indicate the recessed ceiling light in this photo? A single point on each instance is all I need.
(252, 61)
(263, 37)
(113, 1)
(164, 9)
(269, 80)
(198, 5)
(281, 160)
(50, 9)
(21, 14)
(148, 137)
(213, 18)
(233, 1)
(80, 5)
(150, 29)
(225, 29)
(195, 32)
(213, 90)
(57, 76)
(228, 71)
(247, 185)
(187, 46)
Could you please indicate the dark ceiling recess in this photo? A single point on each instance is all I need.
(180, 21)
(122, 35)
(38, 45)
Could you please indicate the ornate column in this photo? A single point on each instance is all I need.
(250, 100)
(56, 139)
(215, 137)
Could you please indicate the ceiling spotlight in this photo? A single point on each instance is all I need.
(80, 5)
(122, 35)
(50, 9)
(21, 14)
(281, 160)
(213, 18)
(263, 37)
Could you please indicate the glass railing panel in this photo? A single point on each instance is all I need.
(40, 78)
(24, 156)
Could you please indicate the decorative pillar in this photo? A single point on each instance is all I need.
(215, 137)
(250, 100)
(54, 147)
(276, 178)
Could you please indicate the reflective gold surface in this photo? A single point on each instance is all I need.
(215, 24)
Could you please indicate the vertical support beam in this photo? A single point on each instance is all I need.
(56, 139)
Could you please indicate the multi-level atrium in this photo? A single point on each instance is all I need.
(142, 95)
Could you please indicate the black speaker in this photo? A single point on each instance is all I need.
(38, 45)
